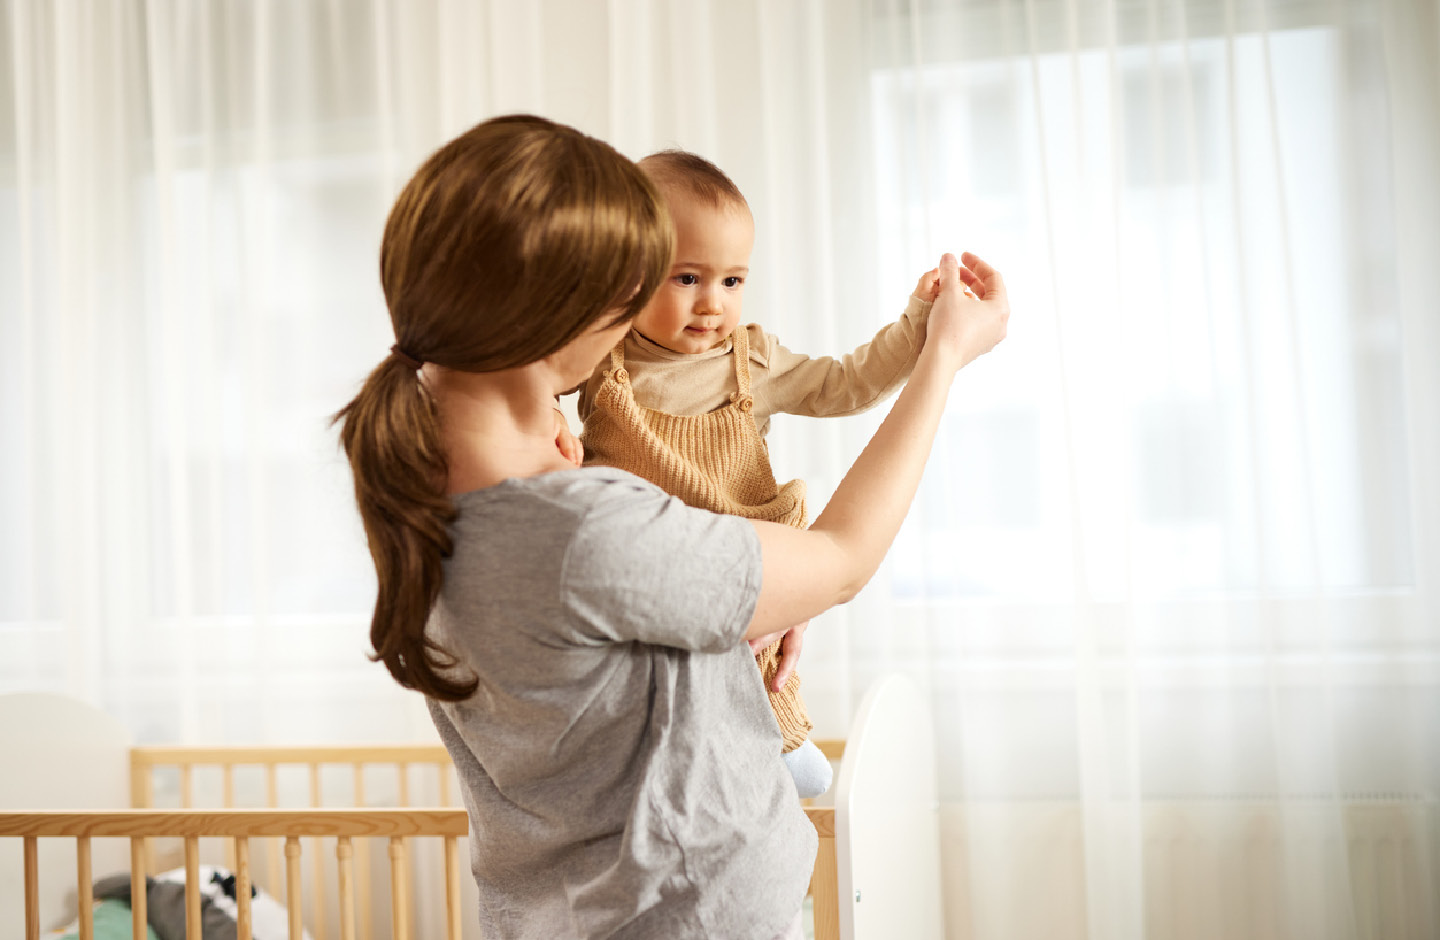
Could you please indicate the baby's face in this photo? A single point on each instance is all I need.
(698, 306)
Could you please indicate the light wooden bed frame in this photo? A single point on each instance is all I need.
(352, 830)
(884, 815)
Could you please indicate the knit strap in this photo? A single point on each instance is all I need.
(740, 343)
(617, 355)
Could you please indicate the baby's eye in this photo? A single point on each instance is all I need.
(733, 281)
(686, 280)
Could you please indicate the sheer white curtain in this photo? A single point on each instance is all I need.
(1172, 577)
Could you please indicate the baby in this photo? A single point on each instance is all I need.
(685, 398)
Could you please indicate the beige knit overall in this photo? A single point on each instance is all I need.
(716, 461)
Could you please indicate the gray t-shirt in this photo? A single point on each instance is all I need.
(619, 761)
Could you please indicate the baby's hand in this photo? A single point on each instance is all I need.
(569, 445)
(928, 287)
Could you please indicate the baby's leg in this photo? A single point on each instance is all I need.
(810, 769)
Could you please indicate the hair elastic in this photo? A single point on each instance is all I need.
(411, 361)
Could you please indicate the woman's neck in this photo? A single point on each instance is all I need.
(496, 425)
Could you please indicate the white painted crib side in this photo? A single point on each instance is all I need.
(887, 819)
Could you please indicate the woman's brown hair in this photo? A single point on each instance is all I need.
(510, 241)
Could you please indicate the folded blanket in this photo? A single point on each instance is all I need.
(112, 922)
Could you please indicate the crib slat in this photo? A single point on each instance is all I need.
(192, 888)
(228, 794)
(242, 888)
(186, 787)
(84, 888)
(452, 889)
(318, 864)
(292, 885)
(272, 846)
(142, 786)
(399, 892)
(142, 796)
(444, 771)
(347, 899)
(824, 889)
(362, 879)
(139, 851)
(402, 796)
(32, 889)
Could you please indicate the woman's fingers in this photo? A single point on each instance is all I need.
(980, 276)
(950, 276)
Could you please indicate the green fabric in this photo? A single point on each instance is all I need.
(112, 922)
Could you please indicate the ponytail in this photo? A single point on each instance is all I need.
(391, 435)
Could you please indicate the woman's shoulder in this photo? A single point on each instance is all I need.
(575, 492)
(526, 520)
(592, 541)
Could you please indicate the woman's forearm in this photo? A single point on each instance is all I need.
(807, 572)
(874, 497)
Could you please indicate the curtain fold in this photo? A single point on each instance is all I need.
(1171, 580)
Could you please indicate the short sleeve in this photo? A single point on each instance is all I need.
(644, 566)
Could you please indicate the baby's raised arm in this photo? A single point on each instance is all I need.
(809, 571)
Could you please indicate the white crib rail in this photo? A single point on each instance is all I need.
(887, 827)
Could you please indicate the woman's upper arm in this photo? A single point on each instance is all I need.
(644, 566)
(805, 572)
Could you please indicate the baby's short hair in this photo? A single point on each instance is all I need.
(694, 175)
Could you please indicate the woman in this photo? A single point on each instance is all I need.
(578, 634)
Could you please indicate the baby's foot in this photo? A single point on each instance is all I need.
(810, 768)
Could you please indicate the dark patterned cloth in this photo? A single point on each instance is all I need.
(165, 907)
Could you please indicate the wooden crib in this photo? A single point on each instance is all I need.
(384, 815)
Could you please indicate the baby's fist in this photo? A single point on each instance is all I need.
(928, 287)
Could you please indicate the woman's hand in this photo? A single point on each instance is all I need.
(966, 324)
(793, 640)
(568, 444)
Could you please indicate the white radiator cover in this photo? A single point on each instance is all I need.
(1223, 869)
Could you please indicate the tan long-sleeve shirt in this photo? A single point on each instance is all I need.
(781, 381)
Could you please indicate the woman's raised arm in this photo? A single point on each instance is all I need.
(809, 571)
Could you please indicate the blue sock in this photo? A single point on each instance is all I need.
(810, 769)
